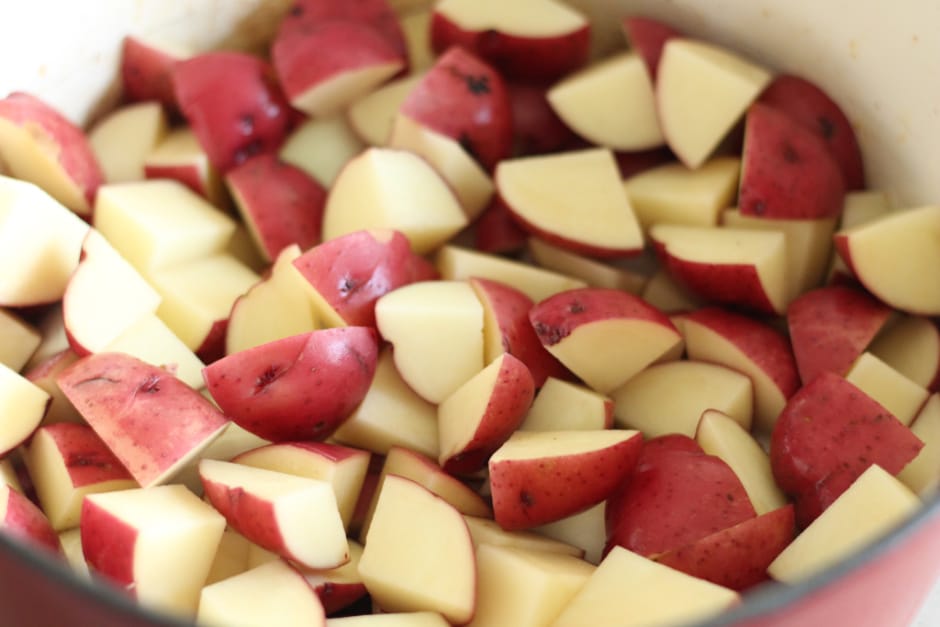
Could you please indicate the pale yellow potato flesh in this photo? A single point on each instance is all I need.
(122, 140)
(671, 397)
(808, 245)
(525, 18)
(487, 531)
(577, 195)
(457, 263)
(891, 389)
(18, 340)
(373, 115)
(703, 344)
(158, 223)
(610, 103)
(231, 558)
(523, 445)
(177, 537)
(627, 590)
(875, 503)
(675, 194)
(524, 588)
(151, 340)
(418, 554)
(460, 414)
(911, 345)
(585, 530)
(722, 436)
(562, 405)
(468, 180)
(335, 93)
(321, 147)
(181, 150)
(391, 414)
(922, 474)
(277, 307)
(592, 271)
(702, 90)
(393, 189)
(271, 594)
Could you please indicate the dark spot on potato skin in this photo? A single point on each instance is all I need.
(266, 378)
(150, 385)
(550, 334)
(790, 154)
(826, 127)
(526, 499)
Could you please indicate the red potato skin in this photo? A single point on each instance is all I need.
(536, 127)
(509, 401)
(422, 269)
(675, 496)
(282, 202)
(146, 416)
(728, 284)
(146, 73)
(212, 348)
(188, 175)
(831, 326)
(557, 316)
(496, 231)
(763, 344)
(353, 271)
(298, 388)
(736, 557)
(23, 520)
(828, 434)
(377, 14)
(233, 104)
(511, 309)
(648, 36)
(630, 163)
(533, 59)
(809, 105)
(366, 494)
(71, 145)
(787, 171)
(87, 458)
(463, 98)
(531, 492)
(337, 596)
(308, 52)
(108, 545)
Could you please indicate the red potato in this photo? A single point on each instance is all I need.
(280, 203)
(538, 477)
(482, 413)
(152, 422)
(40, 145)
(233, 105)
(736, 557)
(831, 326)
(295, 517)
(538, 41)
(829, 433)
(67, 461)
(496, 231)
(812, 107)
(630, 163)
(347, 274)
(506, 329)
(23, 406)
(298, 388)
(157, 543)
(21, 519)
(536, 128)
(603, 335)
(787, 171)
(758, 350)
(339, 587)
(43, 375)
(675, 496)
(180, 157)
(648, 36)
(146, 72)
(463, 98)
(324, 65)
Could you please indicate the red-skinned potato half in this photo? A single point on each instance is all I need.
(233, 104)
(648, 36)
(812, 107)
(146, 72)
(676, 495)
(377, 14)
(530, 40)
(298, 388)
(787, 170)
(464, 98)
(829, 433)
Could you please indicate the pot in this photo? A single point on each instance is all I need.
(879, 63)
